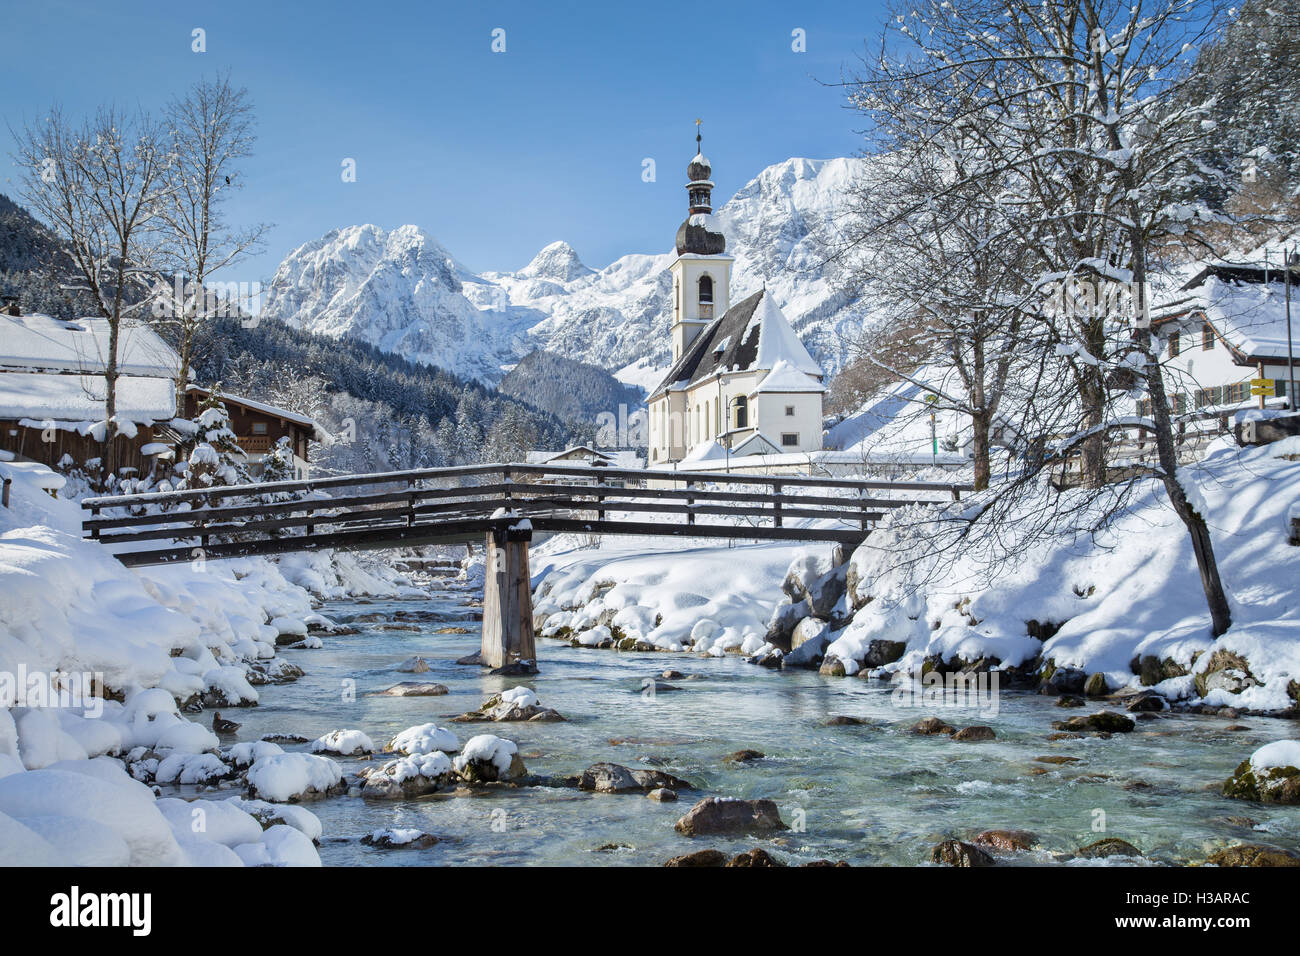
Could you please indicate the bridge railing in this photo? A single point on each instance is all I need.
(428, 505)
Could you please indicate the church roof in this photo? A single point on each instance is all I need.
(753, 334)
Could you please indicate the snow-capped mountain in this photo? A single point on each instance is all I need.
(404, 292)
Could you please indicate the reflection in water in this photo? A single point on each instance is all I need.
(869, 794)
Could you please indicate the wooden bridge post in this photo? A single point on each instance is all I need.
(508, 639)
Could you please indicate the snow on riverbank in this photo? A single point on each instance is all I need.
(95, 663)
(1127, 605)
(672, 596)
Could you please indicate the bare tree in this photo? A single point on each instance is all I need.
(1065, 114)
(99, 186)
(211, 132)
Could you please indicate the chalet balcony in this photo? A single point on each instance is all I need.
(255, 444)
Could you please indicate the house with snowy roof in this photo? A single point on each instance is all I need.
(53, 390)
(741, 381)
(1224, 327)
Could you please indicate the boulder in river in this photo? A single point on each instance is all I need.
(1006, 841)
(1110, 846)
(957, 853)
(1253, 854)
(615, 778)
(662, 795)
(411, 776)
(699, 858)
(487, 758)
(399, 839)
(930, 726)
(975, 732)
(1102, 722)
(881, 652)
(730, 815)
(412, 688)
(744, 756)
(754, 857)
(1146, 702)
(1270, 775)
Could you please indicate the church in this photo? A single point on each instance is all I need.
(741, 382)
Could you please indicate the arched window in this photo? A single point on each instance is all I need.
(706, 290)
(742, 411)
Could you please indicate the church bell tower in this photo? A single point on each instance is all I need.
(702, 270)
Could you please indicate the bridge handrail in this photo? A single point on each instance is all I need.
(410, 477)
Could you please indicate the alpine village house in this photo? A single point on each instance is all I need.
(741, 382)
(52, 395)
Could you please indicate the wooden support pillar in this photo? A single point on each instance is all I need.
(508, 639)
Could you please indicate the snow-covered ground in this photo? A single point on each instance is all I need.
(96, 661)
(1100, 606)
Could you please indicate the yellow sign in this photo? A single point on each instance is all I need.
(1263, 386)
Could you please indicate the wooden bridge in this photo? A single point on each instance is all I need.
(505, 505)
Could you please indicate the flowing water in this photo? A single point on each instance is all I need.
(868, 794)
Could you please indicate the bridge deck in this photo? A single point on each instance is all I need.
(449, 505)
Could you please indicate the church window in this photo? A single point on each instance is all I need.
(790, 439)
(789, 411)
(742, 411)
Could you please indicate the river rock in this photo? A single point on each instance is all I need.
(1096, 686)
(512, 706)
(1007, 841)
(1104, 721)
(1253, 854)
(662, 795)
(744, 756)
(930, 726)
(1069, 700)
(754, 857)
(730, 815)
(1111, 846)
(399, 840)
(1064, 680)
(407, 777)
(615, 778)
(413, 665)
(1224, 670)
(832, 666)
(412, 688)
(841, 720)
(699, 858)
(957, 853)
(1252, 780)
(487, 759)
(780, 626)
(976, 732)
(881, 652)
(1148, 701)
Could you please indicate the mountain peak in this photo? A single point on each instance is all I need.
(556, 261)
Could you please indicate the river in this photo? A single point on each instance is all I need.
(867, 794)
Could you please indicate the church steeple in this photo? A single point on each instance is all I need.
(699, 234)
(701, 272)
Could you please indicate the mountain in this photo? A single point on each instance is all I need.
(402, 291)
(572, 390)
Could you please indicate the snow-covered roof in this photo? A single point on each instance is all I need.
(272, 410)
(80, 398)
(81, 345)
(785, 378)
(753, 335)
(1251, 316)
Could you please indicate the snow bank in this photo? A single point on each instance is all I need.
(707, 599)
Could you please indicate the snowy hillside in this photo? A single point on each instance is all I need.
(404, 292)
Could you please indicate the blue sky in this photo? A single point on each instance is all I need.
(494, 154)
